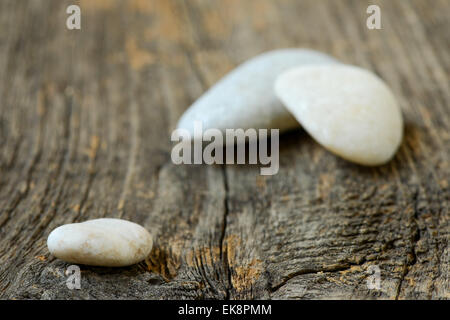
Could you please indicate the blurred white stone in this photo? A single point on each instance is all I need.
(348, 110)
(245, 97)
(101, 242)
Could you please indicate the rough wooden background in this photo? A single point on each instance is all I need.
(85, 123)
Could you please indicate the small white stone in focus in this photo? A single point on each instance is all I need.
(348, 110)
(101, 242)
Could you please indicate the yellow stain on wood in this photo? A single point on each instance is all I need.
(399, 269)
(166, 262)
(203, 256)
(243, 276)
(232, 243)
(261, 183)
(352, 269)
(121, 204)
(285, 197)
(95, 5)
(411, 281)
(76, 207)
(137, 57)
(333, 280)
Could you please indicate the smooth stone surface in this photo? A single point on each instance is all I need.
(245, 97)
(101, 242)
(348, 110)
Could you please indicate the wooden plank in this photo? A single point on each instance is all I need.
(85, 123)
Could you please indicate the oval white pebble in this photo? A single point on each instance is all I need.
(101, 242)
(348, 110)
(245, 98)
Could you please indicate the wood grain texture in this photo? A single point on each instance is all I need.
(85, 123)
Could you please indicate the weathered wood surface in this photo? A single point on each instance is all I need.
(85, 127)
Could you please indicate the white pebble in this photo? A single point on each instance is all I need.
(245, 98)
(348, 110)
(101, 242)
